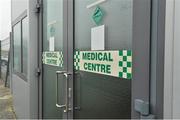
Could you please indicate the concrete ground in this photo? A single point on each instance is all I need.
(6, 106)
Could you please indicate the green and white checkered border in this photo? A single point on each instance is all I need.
(77, 60)
(61, 59)
(125, 64)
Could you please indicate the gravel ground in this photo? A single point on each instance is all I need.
(6, 106)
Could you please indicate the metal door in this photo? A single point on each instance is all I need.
(54, 57)
(124, 29)
(119, 88)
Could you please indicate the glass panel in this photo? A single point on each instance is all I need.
(102, 96)
(25, 43)
(52, 45)
(17, 47)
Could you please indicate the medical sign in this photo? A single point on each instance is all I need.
(53, 58)
(113, 63)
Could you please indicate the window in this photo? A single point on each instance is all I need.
(17, 47)
(24, 46)
(20, 37)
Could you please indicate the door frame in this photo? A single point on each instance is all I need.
(157, 57)
(141, 52)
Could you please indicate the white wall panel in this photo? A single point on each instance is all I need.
(20, 97)
(168, 67)
(172, 58)
(176, 62)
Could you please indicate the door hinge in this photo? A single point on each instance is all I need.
(38, 71)
(38, 7)
(142, 108)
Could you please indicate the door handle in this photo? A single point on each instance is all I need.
(57, 77)
(67, 92)
(66, 106)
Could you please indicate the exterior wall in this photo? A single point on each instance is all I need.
(25, 93)
(20, 97)
(168, 78)
(176, 69)
(172, 58)
(20, 88)
(33, 58)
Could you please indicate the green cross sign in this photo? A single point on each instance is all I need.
(98, 15)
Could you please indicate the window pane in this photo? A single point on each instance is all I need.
(17, 47)
(25, 41)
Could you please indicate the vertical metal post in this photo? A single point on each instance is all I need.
(7, 71)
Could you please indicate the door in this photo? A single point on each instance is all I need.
(96, 58)
(111, 58)
(54, 59)
(100, 93)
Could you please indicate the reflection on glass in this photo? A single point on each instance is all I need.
(17, 47)
(25, 43)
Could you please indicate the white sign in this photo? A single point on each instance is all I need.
(53, 58)
(51, 44)
(113, 63)
(98, 38)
